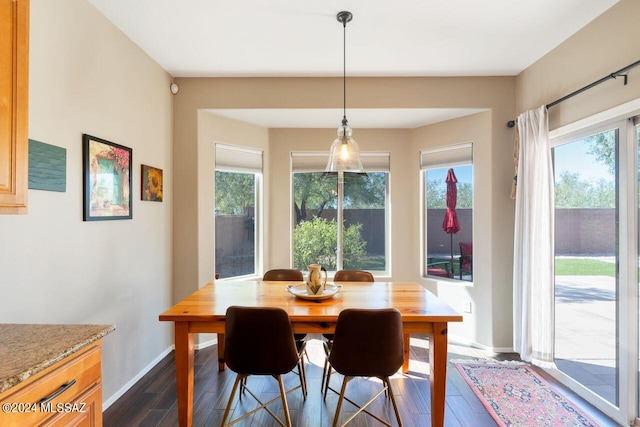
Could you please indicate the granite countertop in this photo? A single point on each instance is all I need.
(28, 349)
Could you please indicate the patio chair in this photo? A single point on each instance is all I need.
(466, 259)
(439, 268)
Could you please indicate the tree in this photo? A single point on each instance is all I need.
(319, 191)
(437, 195)
(316, 241)
(603, 147)
(573, 192)
(365, 191)
(234, 192)
(313, 191)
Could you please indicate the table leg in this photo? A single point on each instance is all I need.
(184, 373)
(221, 364)
(438, 365)
(407, 352)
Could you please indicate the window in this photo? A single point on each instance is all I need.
(448, 248)
(359, 202)
(238, 179)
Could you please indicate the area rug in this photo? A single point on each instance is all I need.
(515, 395)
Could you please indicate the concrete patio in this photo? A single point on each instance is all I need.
(585, 341)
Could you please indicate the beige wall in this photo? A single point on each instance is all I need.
(607, 44)
(479, 325)
(496, 94)
(87, 77)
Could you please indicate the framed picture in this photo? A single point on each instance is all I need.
(151, 184)
(107, 180)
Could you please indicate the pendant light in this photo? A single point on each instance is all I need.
(344, 155)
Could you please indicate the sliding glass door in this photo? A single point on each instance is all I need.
(597, 326)
(586, 262)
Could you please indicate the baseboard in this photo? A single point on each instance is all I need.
(206, 344)
(466, 342)
(135, 379)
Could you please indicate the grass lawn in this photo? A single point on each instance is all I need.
(370, 263)
(584, 267)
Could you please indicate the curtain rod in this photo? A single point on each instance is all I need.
(620, 72)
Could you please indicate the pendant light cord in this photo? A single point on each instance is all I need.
(344, 71)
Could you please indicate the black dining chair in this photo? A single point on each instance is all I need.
(292, 275)
(340, 276)
(353, 276)
(259, 341)
(367, 343)
(283, 274)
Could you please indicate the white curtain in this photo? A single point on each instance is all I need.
(533, 276)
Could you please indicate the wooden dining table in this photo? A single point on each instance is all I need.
(204, 312)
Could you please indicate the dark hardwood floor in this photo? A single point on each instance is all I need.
(152, 400)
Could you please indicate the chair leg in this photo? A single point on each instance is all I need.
(326, 384)
(324, 374)
(243, 386)
(336, 416)
(326, 371)
(303, 377)
(239, 379)
(302, 350)
(393, 400)
(283, 394)
(386, 387)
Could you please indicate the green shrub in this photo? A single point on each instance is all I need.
(316, 242)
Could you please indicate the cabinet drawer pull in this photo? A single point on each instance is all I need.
(57, 393)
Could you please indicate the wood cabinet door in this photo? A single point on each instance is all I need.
(14, 83)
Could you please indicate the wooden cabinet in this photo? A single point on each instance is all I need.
(14, 96)
(91, 402)
(68, 393)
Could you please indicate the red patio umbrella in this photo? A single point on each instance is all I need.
(451, 225)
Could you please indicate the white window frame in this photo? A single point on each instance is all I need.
(232, 158)
(316, 161)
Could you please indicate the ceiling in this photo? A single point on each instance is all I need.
(286, 38)
(359, 118)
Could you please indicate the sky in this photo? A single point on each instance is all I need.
(464, 174)
(573, 157)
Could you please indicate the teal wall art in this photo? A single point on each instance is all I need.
(47, 167)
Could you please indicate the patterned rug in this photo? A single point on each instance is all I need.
(515, 395)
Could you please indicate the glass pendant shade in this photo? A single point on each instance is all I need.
(344, 155)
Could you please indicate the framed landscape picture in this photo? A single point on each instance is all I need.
(151, 184)
(107, 181)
